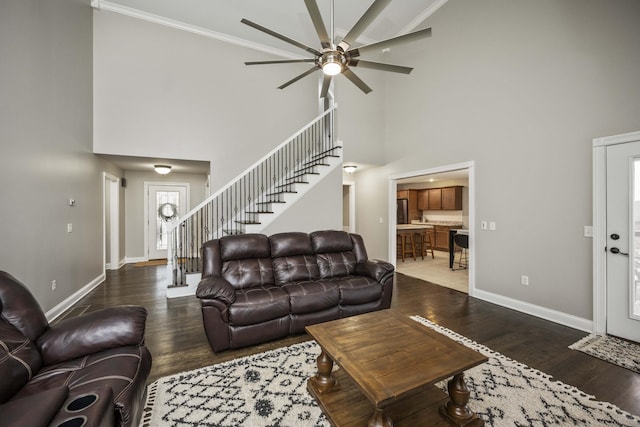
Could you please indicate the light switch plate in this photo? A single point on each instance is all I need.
(588, 231)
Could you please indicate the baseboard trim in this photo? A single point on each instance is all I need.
(56, 311)
(555, 316)
(133, 260)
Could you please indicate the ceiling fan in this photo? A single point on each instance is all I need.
(338, 59)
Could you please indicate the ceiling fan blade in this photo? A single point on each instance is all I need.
(280, 36)
(364, 21)
(356, 80)
(295, 79)
(326, 81)
(416, 35)
(279, 61)
(318, 23)
(379, 66)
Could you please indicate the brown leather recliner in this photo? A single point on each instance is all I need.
(89, 370)
(256, 288)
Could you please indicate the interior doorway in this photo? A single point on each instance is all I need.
(111, 192)
(349, 206)
(440, 223)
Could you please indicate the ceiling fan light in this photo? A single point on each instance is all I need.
(162, 169)
(332, 68)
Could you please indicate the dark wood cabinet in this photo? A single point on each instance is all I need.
(423, 200)
(442, 238)
(435, 199)
(452, 198)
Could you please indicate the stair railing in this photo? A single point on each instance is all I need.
(239, 203)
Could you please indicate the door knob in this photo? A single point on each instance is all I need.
(615, 236)
(615, 250)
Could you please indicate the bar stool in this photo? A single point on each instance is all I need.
(407, 243)
(424, 239)
(462, 241)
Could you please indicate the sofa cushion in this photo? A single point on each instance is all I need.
(20, 412)
(295, 268)
(19, 360)
(357, 289)
(245, 273)
(258, 304)
(20, 308)
(336, 264)
(331, 241)
(307, 297)
(244, 246)
(290, 244)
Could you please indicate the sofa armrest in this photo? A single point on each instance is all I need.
(215, 287)
(374, 268)
(95, 331)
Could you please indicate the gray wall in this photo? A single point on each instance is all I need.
(45, 133)
(162, 92)
(521, 88)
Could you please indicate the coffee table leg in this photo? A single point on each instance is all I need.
(456, 409)
(379, 419)
(323, 380)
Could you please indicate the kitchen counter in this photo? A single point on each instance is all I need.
(420, 226)
(443, 223)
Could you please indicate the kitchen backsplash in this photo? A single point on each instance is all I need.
(445, 216)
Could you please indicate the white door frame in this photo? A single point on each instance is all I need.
(352, 205)
(112, 215)
(393, 188)
(600, 225)
(147, 184)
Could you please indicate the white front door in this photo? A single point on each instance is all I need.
(157, 227)
(623, 240)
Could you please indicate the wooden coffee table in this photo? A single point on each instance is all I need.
(388, 365)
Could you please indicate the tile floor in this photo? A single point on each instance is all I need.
(436, 270)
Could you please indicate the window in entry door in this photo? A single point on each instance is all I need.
(163, 197)
(635, 286)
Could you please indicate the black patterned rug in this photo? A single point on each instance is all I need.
(269, 389)
(611, 349)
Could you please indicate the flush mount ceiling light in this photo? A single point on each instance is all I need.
(162, 169)
(349, 168)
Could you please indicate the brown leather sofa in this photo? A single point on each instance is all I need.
(89, 370)
(256, 288)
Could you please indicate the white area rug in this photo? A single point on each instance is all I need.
(269, 389)
(611, 349)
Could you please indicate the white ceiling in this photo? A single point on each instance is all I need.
(287, 17)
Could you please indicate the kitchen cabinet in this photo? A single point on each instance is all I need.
(452, 198)
(435, 199)
(441, 233)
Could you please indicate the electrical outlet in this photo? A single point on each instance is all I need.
(69, 228)
(492, 226)
(524, 280)
(53, 285)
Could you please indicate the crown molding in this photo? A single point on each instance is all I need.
(172, 23)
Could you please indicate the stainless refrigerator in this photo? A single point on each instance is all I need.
(403, 211)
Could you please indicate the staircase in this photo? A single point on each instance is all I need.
(254, 199)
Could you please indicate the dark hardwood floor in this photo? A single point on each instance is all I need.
(176, 339)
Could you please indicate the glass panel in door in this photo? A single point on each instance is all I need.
(163, 197)
(634, 291)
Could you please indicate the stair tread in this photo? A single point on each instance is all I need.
(247, 222)
(259, 212)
